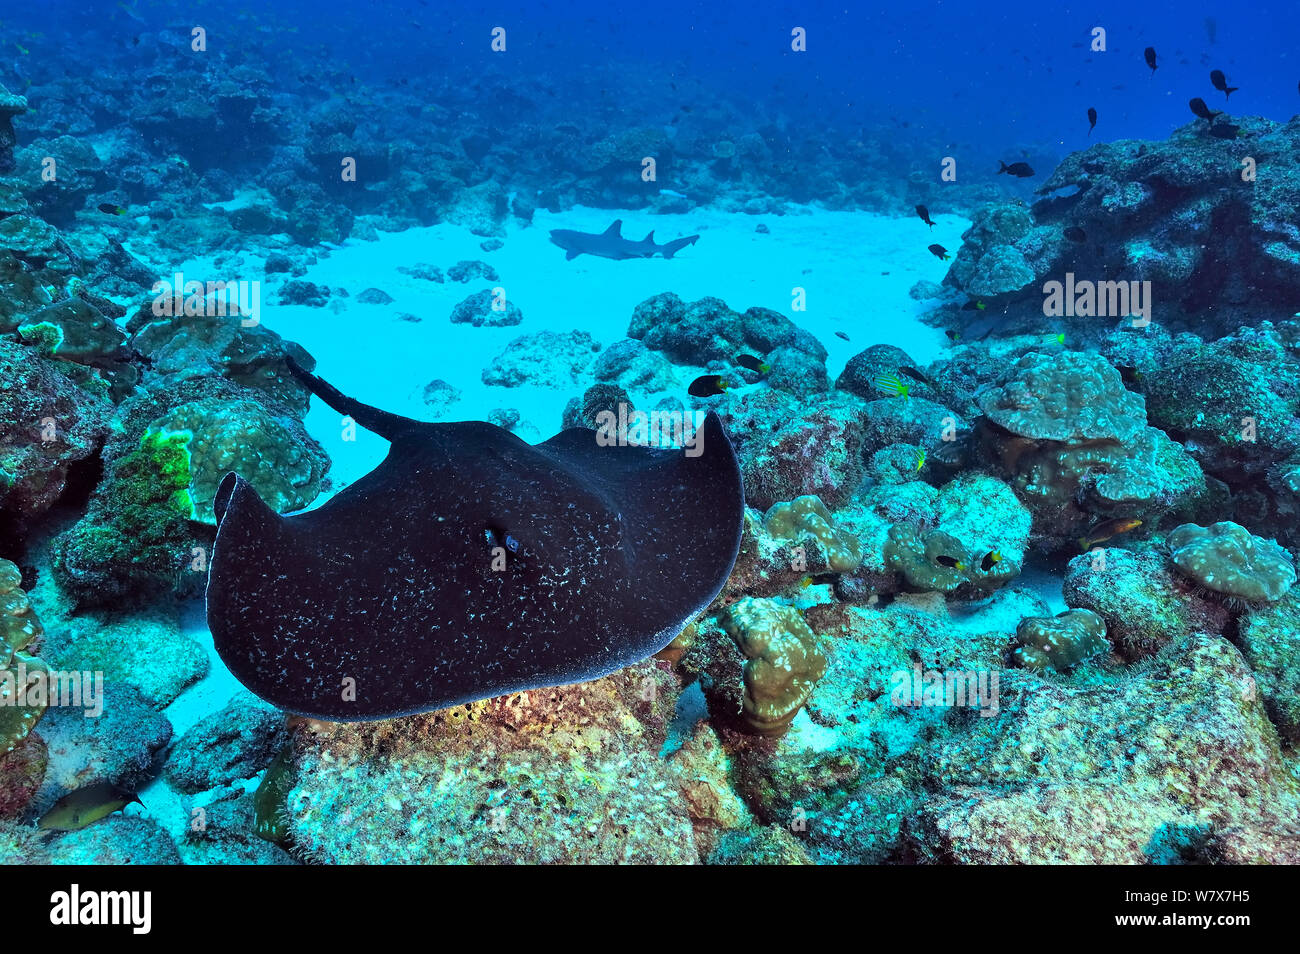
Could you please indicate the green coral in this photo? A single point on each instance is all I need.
(1059, 642)
(783, 661)
(136, 534)
(1229, 559)
(270, 451)
(44, 336)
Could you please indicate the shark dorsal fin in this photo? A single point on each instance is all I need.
(614, 231)
(650, 238)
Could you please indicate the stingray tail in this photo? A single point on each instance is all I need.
(675, 246)
(383, 423)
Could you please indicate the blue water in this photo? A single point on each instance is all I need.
(975, 80)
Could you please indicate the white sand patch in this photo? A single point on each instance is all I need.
(856, 269)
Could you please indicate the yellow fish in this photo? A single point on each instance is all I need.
(890, 384)
(86, 806)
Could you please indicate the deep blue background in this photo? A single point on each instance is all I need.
(1006, 78)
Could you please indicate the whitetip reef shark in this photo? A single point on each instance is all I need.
(611, 244)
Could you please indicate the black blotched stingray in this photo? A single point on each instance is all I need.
(601, 554)
(611, 244)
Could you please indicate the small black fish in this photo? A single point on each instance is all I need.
(914, 374)
(840, 334)
(951, 563)
(953, 335)
(1203, 111)
(752, 363)
(1221, 83)
(939, 252)
(1149, 54)
(924, 213)
(708, 385)
(991, 559)
(1020, 170)
(1076, 234)
(1224, 130)
(109, 208)
(1092, 120)
(1129, 374)
(973, 305)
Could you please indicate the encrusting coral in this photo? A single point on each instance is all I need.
(1229, 559)
(783, 661)
(1076, 444)
(1059, 642)
(272, 452)
(807, 516)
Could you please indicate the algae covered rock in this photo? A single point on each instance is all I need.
(1229, 559)
(1269, 637)
(233, 744)
(53, 416)
(790, 448)
(486, 308)
(567, 774)
(1145, 603)
(1105, 771)
(547, 359)
(252, 356)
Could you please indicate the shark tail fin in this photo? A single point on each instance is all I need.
(616, 229)
(675, 246)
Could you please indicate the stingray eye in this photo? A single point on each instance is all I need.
(490, 537)
(512, 544)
